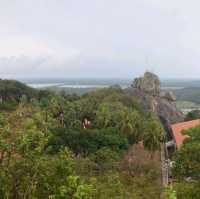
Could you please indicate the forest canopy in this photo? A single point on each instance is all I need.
(77, 147)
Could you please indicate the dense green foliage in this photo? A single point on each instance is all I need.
(46, 153)
(26, 170)
(187, 166)
(170, 193)
(11, 89)
(193, 115)
(188, 158)
(89, 141)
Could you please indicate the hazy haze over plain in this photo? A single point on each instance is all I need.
(99, 38)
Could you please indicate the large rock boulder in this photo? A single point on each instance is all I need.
(147, 90)
(149, 83)
(168, 95)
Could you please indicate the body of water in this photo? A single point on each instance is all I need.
(44, 85)
(101, 83)
(76, 83)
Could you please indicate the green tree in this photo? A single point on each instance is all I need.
(153, 134)
(132, 126)
(193, 115)
(88, 141)
(106, 158)
(170, 193)
(27, 171)
(187, 190)
(110, 115)
(187, 165)
(187, 159)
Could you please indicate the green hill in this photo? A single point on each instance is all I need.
(13, 90)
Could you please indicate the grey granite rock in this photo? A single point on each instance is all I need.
(147, 90)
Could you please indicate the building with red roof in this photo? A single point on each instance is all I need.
(178, 128)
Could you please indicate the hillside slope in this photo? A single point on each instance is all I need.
(13, 90)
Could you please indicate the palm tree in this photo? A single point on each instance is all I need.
(152, 136)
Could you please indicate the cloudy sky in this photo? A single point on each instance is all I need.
(99, 38)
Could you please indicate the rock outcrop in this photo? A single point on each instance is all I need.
(150, 84)
(168, 95)
(147, 90)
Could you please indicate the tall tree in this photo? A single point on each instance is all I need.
(153, 133)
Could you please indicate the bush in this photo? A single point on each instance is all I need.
(106, 158)
(88, 141)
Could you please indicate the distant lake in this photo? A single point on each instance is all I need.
(76, 82)
(172, 87)
(83, 83)
(43, 85)
(84, 86)
(62, 85)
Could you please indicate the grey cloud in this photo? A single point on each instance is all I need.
(100, 37)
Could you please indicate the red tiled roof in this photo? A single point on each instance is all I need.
(179, 127)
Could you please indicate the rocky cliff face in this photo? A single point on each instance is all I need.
(147, 90)
(149, 84)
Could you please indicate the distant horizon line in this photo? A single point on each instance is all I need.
(19, 77)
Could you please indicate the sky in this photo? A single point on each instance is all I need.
(99, 38)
